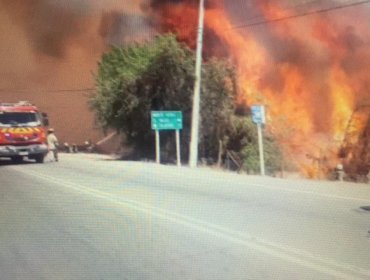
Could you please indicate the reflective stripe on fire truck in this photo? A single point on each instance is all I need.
(20, 130)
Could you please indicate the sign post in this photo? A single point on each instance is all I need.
(258, 117)
(178, 153)
(167, 120)
(157, 147)
(260, 148)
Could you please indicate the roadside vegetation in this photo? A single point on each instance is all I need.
(159, 75)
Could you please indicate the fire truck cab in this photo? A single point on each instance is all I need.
(22, 132)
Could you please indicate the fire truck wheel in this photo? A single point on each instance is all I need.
(39, 158)
(17, 159)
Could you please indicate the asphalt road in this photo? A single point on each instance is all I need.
(88, 217)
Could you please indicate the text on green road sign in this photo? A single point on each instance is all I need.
(166, 120)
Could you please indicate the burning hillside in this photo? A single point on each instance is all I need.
(310, 71)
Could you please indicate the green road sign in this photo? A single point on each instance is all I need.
(166, 120)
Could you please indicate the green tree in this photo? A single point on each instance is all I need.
(159, 75)
(217, 107)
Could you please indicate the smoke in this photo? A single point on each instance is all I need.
(47, 28)
(51, 26)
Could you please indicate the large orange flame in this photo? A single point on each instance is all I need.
(310, 72)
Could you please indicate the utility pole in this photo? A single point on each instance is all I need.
(193, 160)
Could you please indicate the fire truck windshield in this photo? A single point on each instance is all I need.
(8, 119)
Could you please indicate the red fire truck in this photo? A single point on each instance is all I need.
(22, 132)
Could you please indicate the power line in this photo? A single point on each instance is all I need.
(325, 10)
(286, 8)
(82, 90)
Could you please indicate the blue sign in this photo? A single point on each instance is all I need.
(166, 120)
(258, 114)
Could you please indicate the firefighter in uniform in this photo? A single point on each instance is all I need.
(53, 143)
